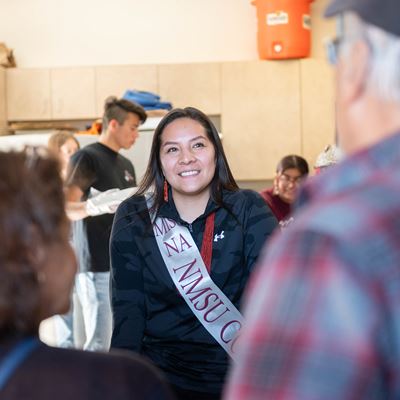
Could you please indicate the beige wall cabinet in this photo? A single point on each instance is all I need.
(73, 93)
(28, 94)
(197, 85)
(261, 115)
(114, 81)
(317, 102)
(3, 115)
(268, 108)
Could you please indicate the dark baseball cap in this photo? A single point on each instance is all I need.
(384, 14)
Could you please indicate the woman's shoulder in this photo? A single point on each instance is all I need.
(112, 371)
(131, 212)
(134, 203)
(247, 203)
(243, 196)
(88, 359)
(267, 193)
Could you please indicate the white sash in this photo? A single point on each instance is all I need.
(187, 269)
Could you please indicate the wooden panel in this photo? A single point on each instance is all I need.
(28, 94)
(3, 115)
(317, 97)
(197, 85)
(115, 80)
(260, 115)
(321, 28)
(73, 93)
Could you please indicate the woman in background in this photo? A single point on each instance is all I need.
(290, 173)
(63, 144)
(37, 269)
(181, 257)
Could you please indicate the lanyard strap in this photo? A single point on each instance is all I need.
(206, 245)
(15, 358)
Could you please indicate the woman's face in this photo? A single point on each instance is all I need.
(287, 183)
(187, 158)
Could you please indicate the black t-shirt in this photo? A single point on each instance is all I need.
(100, 168)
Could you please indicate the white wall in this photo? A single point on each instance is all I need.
(52, 33)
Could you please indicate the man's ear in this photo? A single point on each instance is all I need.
(355, 71)
(113, 124)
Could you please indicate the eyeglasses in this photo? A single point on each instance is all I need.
(286, 179)
(332, 49)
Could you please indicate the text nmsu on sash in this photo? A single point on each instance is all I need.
(193, 285)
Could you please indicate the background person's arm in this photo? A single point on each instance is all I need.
(75, 208)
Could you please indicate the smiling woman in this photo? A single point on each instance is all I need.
(182, 254)
(291, 171)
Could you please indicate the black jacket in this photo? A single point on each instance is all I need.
(150, 317)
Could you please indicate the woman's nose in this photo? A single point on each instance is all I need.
(186, 156)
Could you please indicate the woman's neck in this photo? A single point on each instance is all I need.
(191, 207)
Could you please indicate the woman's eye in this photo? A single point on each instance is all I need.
(171, 149)
(199, 144)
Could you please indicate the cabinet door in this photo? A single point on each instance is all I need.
(73, 93)
(197, 85)
(3, 116)
(317, 99)
(260, 116)
(28, 94)
(115, 80)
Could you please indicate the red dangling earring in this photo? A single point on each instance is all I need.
(165, 190)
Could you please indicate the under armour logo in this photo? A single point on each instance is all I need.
(220, 236)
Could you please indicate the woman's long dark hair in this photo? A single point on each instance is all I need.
(154, 178)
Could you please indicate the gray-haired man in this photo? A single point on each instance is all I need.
(323, 314)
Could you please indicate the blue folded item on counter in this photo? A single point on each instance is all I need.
(148, 100)
(161, 105)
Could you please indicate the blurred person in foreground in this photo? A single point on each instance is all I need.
(323, 315)
(290, 173)
(37, 269)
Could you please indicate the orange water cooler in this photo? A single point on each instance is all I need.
(284, 28)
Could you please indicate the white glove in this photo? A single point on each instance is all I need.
(107, 202)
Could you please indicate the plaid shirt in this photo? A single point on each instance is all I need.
(323, 308)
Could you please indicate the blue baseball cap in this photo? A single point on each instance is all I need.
(384, 14)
